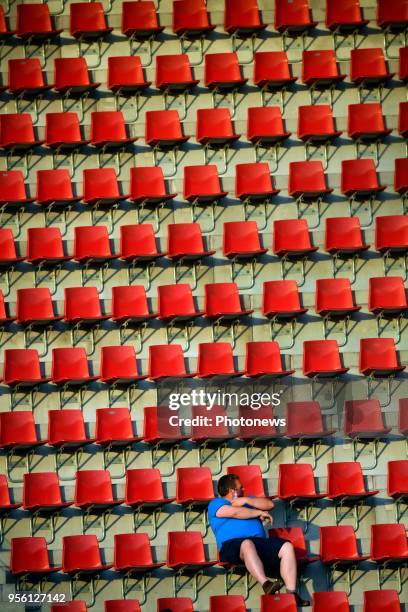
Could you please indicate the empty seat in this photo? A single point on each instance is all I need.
(194, 489)
(319, 70)
(293, 17)
(307, 180)
(147, 186)
(222, 71)
(34, 23)
(242, 18)
(167, 361)
(202, 184)
(133, 554)
(18, 433)
(216, 359)
(344, 17)
(291, 240)
(190, 19)
(4, 311)
(119, 366)
(138, 247)
(209, 434)
(35, 309)
(93, 490)
(304, 421)
(265, 126)
(22, 368)
(400, 177)
(316, 125)
(12, 189)
(82, 305)
(125, 75)
(392, 16)
(81, 557)
(66, 432)
(29, 557)
(322, 358)
(387, 298)
(144, 489)
(279, 602)
(334, 300)
(403, 64)
(176, 303)
(250, 477)
(264, 359)
(185, 242)
(70, 367)
(5, 32)
(8, 254)
(177, 604)
(100, 186)
(368, 67)
(359, 179)
(391, 235)
(163, 129)
(129, 305)
(139, 20)
(363, 419)
(17, 133)
(222, 303)
(227, 603)
(241, 240)
(343, 239)
(185, 551)
(366, 124)
(88, 22)
(91, 244)
(296, 485)
(272, 72)
(397, 484)
(253, 182)
(162, 434)
(108, 130)
(71, 76)
(25, 77)
(45, 246)
(62, 133)
(378, 357)
(114, 429)
(338, 550)
(174, 74)
(345, 485)
(70, 606)
(334, 601)
(54, 187)
(385, 600)
(214, 127)
(42, 494)
(403, 119)
(389, 550)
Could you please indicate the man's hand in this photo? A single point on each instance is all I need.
(265, 517)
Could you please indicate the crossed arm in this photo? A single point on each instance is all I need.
(259, 508)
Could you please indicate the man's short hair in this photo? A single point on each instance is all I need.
(226, 483)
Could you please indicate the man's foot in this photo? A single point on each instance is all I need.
(272, 586)
(301, 603)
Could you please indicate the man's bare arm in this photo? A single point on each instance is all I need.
(260, 503)
(228, 511)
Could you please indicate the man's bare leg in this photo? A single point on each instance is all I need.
(288, 571)
(254, 565)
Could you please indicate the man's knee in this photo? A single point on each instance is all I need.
(247, 546)
(287, 550)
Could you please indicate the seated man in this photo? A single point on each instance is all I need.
(238, 526)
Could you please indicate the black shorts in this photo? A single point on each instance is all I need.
(267, 549)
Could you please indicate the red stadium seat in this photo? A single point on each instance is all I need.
(253, 185)
(345, 485)
(26, 80)
(338, 550)
(222, 303)
(296, 485)
(292, 18)
(251, 479)
(13, 190)
(138, 248)
(264, 359)
(130, 307)
(334, 300)
(92, 247)
(381, 601)
(333, 601)
(126, 78)
(161, 434)
(387, 300)
(322, 358)
(227, 603)
(100, 187)
(88, 24)
(320, 71)
(176, 308)
(391, 238)
(345, 17)
(35, 310)
(403, 119)
(216, 359)
(81, 558)
(62, 136)
(366, 124)
(66, 433)
(167, 361)
(397, 484)
(392, 18)
(147, 186)
(400, 179)
(316, 127)
(296, 536)
(140, 23)
(82, 308)
(272, 73)
(94, 494)
(122, 605)
(305, 426)
(368, 68)
(241, 18)
(307, 182)
(256, 434)
(343, 240)
(144, 494)
(114, 432)
(174, 76)
(403, 417)
(163, 132)
(222, 75)
(119, 369)
(18, 433)
(17, 138)
(194, 489)
(177, 604)
(8, 255)
(378, 359)
(4, 312)
(265, 129)
(363, 421)
(214, 130)
(241, 244)
(202, 187)
(389, 551)
(22, 372)
(29, 557)
(133, 555)
(186, 555)
(403, 64)
(71, 78)
(291, 241)
(54, 189)
(42, 494)
(279, 602)
(5, 32)
(109, 131)
(359, 182)
(191, 20)
(184, 245)
(34, 23)
(210, 435)
(45, 248)
(70, 370)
